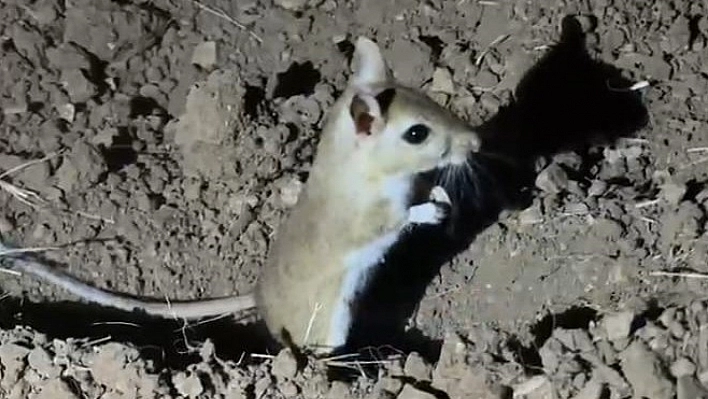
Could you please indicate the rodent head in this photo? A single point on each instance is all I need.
(402, 130)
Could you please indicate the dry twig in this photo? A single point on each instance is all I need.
(226, 17)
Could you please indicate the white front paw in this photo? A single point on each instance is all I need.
(438, 194)
(427, 213)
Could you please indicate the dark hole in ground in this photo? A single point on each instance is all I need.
(293, 132)
(347, 48)
(299, 79)
(156, 200)
(144, 106)
(527, 356)
(573, 318)
(121, 152)
(652, 313)
(253, 101)
(35, 106)
(694, 29)
(436, 45)
(693, 188)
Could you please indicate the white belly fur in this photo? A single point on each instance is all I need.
(360, 263)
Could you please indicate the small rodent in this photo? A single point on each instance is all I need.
(377, 138)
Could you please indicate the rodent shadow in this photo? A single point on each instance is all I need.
(567, 101)
(166, 342)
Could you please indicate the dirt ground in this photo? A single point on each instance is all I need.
(179, 133)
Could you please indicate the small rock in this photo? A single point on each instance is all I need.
(40, 360)
(388, 384)
(442, 81)
(204, 55)
(702, 197)
(187, 385)
(288, 389)
(667, 317)
(417, 368)
(553, 179)
(284, 365)
(618, 325)
(597, 188)
(261, 386)
(569, 159)
(12, 359)
(551, 354)
(67, 112)
(490, 102)
(67, 57)
(688, 388)
(292, 5)
(465, 104)
(27, 42)
(682, 367)
(592, 390)
(537, 387)
(576, 340)
(6, 225)
(152, 91)
(576, 208)
(486, 79)
(18, 106)
(703, 378)
(55, 388)
(81, 167)
(410, 392)
(673, 193)
(643, 370)
(43, 12)
(529, 216)
(79, 88)
(338, 390)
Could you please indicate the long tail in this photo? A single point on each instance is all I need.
(178, 310)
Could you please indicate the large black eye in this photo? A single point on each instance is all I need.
(416, 134)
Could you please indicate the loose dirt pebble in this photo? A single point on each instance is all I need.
(410, 392)
(618, 325)
(54, 389)
(538, 387)
(205, 55)
(552, 179)
(188, 384)
(593, 389)
(338, 390)
(645, 372)
(416, 367)
(41, 362)
(285, 364)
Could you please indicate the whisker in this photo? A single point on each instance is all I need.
(497, 156)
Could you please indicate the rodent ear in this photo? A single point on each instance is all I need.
(368, 65)
(366, 114)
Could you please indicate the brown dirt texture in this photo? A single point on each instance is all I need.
(171, 137)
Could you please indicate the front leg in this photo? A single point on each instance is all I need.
(432, 212)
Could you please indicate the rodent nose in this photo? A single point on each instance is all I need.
(475, 142)
(470, 141)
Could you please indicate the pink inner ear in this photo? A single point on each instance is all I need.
(360, 114)
(363, 123)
